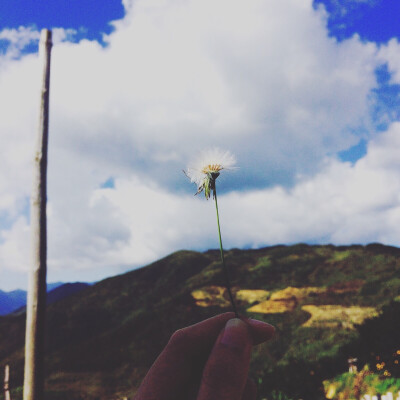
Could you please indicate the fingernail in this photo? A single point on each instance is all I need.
(235, 334)
(261, 325)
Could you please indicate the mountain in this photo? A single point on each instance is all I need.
(10, 301)
(54, 285)
(102, 340)
(15, 300)
(64, 290)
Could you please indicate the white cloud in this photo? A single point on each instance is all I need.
(262, 79)
(14, 247)
(18, 111)
(390, 54)
(183, 75)
(17, 40)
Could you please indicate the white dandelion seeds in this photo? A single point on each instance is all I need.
(207, 168)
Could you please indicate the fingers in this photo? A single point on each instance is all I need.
(226, 370)
(179, 367)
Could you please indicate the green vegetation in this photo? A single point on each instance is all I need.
(102, 340)
(353, 386)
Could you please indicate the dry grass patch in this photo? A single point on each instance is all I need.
(297, 293)
(333, 316)
(218, 296)
(286, 300)
(251, 296)
(274, 307)
(210, 296)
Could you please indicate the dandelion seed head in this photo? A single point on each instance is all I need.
(206, 169)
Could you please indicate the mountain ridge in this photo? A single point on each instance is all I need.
(12, 300)
(15, 300)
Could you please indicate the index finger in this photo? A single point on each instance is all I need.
(225, 373)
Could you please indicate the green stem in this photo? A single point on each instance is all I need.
(226, 271)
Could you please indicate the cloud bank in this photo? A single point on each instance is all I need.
(262, 79)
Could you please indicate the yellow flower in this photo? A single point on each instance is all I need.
(380, 366)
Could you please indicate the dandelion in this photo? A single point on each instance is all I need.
(204, 173)
(207, 169)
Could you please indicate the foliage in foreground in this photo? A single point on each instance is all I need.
(353, 386)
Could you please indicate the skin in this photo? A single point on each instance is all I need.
(207, 361)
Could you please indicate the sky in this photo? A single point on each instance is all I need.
(304, 93)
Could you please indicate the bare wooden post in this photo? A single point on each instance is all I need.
(7, 383)
(36, 302)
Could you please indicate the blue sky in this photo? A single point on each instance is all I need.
(91, 18)
(309, 106)
(375, 20)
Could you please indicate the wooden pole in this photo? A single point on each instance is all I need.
(7, 383)
(36, 302)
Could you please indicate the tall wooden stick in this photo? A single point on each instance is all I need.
(36, 302)
(7, 383)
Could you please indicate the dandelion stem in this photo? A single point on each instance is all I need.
(226, 271)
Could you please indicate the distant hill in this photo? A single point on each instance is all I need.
(102, 340)
(10, 301)
(15, 300)
(54, 285)
(64, 290)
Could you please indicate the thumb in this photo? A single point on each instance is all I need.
(225, 373)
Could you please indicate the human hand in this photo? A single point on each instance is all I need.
(206, 361)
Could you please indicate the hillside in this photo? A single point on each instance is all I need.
(102, 340)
